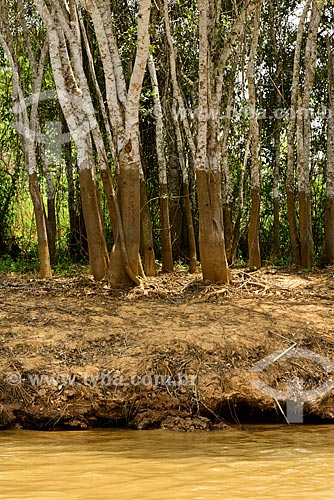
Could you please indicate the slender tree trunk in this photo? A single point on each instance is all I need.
(290, 176)
(42, 236)
(304, 139)
(276, 182)
(227, 186)
(305, 222)
(277, 131)
(27, 127)
(329, 214)
(97, 249)
(176, 88)
(146, 238)
(51, 221)
(77, 238)
(166, 241)
(237, 225)
(186, 195)
(211, 227)
(78, 110)
(253, 229)
(175, 157)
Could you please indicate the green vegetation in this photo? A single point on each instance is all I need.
(57, 160)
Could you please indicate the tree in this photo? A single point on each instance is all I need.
(304, 137)
(290, 177)
(329, 213)
(123, 112)
(166, 241)
(253, 230)
(62, 26)
(27, 126)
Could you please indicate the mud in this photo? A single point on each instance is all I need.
(175, 353)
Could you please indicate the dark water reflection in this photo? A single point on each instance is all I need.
(256, 463)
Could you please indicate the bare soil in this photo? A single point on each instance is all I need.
(175, 353)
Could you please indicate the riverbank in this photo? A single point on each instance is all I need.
(177, 353)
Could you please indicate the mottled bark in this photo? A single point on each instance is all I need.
(123, 110)
(146, 236)
(78, 110)
(290, 176)
(211, 232)
(166, 241)
(227, 184)
(42, 237)
(186, 195)
(329, 212)
(304, 138)
(277, 130)
(253, 229)
(236, 231)
(27, 126)
(211, 227)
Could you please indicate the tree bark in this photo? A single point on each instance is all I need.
(277, 131)
(146, 237)
(237, 225)
(290, 176)
(27, 126)
(211, 227)
(186, 194)
(253, 229)
(304, 138)
(329, 212)
(166, 241)
(42, 236)
(227, 185)
(78, 110)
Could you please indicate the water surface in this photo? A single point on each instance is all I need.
(255, 463)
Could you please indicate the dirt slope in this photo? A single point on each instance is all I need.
(176, 353)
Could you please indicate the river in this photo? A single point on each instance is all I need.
(254, 463)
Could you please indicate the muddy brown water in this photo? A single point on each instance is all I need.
(254, 463)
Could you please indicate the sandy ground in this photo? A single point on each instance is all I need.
(175, 353)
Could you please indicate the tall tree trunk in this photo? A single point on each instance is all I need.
(129, 159)
(175, 158)
(290, 176)
(97, 249)
(42, 236)
(304, 138)
(253, 230)
(305, 221)
(211, 228)
(166, 241)
(27, 126)
(329, 214)
(146, 238)
(77, 237)
(78, 110)
(237, 225)
(227, 186)
(276, 182)
(277, 131)
(51, 221)
(186, 195)
(176, 87)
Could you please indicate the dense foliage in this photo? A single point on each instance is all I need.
(56, 152)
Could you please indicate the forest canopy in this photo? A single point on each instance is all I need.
(134, 132)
